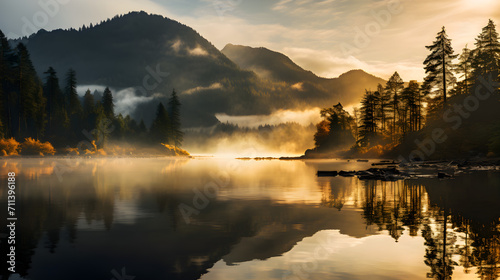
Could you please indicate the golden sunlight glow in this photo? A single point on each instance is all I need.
(479, 4)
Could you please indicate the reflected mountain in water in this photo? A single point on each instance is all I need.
(86, 217)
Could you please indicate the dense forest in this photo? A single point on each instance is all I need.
(442, 117)
(35, 110)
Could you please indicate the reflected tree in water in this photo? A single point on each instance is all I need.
(439, 242)
(392, 206)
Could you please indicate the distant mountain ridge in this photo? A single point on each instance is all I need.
(276, 66)
(154, 54)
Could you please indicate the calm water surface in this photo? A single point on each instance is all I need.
(211, 218)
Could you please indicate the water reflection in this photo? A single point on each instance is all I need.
(268, 219)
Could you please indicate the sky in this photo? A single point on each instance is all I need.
(328, 37)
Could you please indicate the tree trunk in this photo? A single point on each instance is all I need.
(444, 72)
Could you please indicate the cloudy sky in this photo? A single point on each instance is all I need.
(327, 37)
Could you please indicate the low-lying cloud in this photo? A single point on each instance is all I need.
(125, 100)
(198, 89)
(180, 47)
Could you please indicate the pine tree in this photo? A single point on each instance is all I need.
(368, 128)
(175, 119)
(88, 103)
(7, 85)
(383, 106)
(30, 101)
(464, 70)
(394, 87)
(438, 66)
(107, 104)
(73, 104)
(486, 56)
(57, 118)
(411, 112)
(160, 129)
(89, 110)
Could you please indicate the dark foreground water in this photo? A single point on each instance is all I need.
(231, 219)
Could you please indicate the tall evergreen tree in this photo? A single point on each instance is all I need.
(175, 119)
(438, 65)
(383, 106)
(368, 128)
(89, 111)
(107, 104)
(73, 104)
(7, 85)
(160, 129)
(486, 56)
(394, 87)
(411, 111)
(57, 118)
(88, 103)
(464, 70)
(30, 101)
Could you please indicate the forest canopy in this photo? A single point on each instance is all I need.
(34, 109)
(442, 117)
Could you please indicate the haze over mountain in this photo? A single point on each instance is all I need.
(276, 66)
(149, 55)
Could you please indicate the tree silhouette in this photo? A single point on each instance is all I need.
(336, 129)
(439, 242)
(411, 113)
(438, 65)
(88, 103)
(30, 101)
(486, 56)
(368, 127)
(175, 119)
(108, 106)
(384, 106)
(394, 87)
(57, 118)
(160, 128)
(7, 84)
(464, 70)
(73, 104)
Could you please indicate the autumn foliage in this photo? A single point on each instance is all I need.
(31, 146)
(175, 151)
(9, 147)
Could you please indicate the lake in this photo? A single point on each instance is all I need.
(221, 218)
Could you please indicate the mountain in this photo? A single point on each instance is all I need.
(275, 66)
(267, 64)
(142, 57)
(118, 52)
